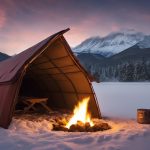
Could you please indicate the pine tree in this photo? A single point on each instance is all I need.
(129, 73)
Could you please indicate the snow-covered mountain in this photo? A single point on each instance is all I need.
(113, 43)
(145, 43)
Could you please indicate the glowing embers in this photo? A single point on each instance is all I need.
(81, 120)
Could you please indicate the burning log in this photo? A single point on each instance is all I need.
(62, 122)
(59, 127)
(81, 120)
(101, 127)
(79, 127)
(82, 127)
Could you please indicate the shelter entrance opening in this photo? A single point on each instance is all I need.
(53, 80)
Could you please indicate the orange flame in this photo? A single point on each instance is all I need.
(81, 113)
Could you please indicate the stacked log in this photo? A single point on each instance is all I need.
(82, 127)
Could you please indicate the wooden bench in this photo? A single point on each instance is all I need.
(30, 102)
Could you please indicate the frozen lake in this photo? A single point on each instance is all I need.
(117, 99)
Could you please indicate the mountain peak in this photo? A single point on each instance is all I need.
(113, 43)
(130, 31)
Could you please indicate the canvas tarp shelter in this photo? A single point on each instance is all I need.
(54, 68)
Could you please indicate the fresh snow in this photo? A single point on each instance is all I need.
(113, 43)
(118, 101)
(27, 135)
(121, 99)
(145, 43)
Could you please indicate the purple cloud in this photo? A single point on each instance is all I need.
(23, 23)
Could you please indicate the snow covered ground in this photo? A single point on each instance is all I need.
(116, 100)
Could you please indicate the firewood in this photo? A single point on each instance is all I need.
(72, 128)
(59, 128)
(62, 121)
(80, 123)
(87, 126)
(80, 128)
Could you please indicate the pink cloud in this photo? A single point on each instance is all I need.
(26, 22)
(23, 37)
(2, 18)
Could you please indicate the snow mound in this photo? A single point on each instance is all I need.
(125, 134)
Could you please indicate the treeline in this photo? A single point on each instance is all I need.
(124, 72)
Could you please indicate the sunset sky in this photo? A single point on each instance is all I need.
(23, 23)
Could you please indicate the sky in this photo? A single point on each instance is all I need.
(24, 23)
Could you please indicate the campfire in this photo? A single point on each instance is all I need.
(81, 120)
(80, 114)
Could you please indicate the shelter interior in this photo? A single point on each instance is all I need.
(57, 76)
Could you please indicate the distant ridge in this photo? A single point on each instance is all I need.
(132, 64)
(113, 43)
(3, 56)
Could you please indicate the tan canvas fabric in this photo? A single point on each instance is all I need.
(56, 72)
